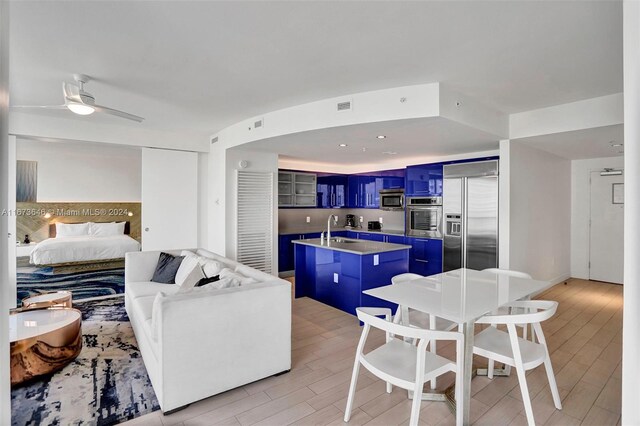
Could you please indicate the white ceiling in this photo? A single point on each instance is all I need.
(198, 67)
(408, 139)
(580, 144)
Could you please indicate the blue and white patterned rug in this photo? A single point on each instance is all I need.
(107, 384)
(34, 280)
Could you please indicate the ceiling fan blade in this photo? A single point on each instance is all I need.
(40, 106)
(71, 92)
(117, 113)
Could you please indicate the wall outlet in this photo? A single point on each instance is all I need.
(308, 219)
(361, 219)
(376, 260)
(380, 219)
(335, 277)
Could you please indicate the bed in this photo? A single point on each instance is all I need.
(74, 249)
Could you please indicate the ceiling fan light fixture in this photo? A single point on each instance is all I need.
(80, 109)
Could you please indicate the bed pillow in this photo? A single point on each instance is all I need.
(166, 268)
(72, 229)
(106, 229)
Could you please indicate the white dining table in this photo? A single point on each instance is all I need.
(462, 296)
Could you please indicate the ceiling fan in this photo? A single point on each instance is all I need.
(80, 102)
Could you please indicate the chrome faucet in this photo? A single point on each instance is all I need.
(335, 222)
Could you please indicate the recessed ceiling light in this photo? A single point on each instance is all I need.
(342, 145)
(381, 136)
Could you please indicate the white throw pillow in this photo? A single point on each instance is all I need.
(192, 279)
(188, 264)
(72, 229)
(222, 283)
(186, 253)
(155, 313)
(210, 267)
(106, 229)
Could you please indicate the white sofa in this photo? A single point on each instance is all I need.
(207, 342)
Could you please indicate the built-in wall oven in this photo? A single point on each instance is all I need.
(424, 217)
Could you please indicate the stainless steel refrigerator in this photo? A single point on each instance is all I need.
(470, 210)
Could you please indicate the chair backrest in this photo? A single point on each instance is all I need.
(536, 311)
(509, 272)
(389, 327)
(405, 277)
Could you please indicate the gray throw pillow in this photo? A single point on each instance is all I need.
(167, 268)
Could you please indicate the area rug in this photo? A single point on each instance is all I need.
(107, 384)
(85, 284)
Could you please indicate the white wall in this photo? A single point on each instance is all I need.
(630, 328)
(580, 210)
(540, 213)
(6, 293)
(84, 172)
(203, 200)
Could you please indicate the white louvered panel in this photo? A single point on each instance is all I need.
(255, 219)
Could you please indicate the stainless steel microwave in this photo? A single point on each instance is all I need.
(392, 199)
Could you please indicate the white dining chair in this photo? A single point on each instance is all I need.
(517, 274)
(401, 363)
(419, 319)
(507, 347)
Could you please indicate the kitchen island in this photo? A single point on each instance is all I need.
(337, 272)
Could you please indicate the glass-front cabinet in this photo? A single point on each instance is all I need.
(296, 189)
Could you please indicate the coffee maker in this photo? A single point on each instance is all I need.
(350, 220)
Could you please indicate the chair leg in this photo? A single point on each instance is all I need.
(432, 349)
(389, 387)
(490, 368)
(524, 389)
(552, 383)
(415, 405)
(352, 389)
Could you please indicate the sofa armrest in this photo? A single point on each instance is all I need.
(140, 266)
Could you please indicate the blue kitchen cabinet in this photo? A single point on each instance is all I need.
(286, 249)
(352, 234)
(362, 191)
(425, 257)
(424, 180)
(332, 191)
(396, 239)
(371, 236)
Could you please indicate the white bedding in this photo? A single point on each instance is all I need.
(82, 249)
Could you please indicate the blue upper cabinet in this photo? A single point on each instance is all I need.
(424, 180)
(332, 191)
(364, 189)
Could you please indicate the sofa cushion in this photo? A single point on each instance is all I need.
(167, 268)
(143, 307)
(148, 288)
(236, 276)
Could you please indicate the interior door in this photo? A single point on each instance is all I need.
(169, 199)
(606, 238)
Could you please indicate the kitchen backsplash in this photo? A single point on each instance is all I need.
(295, 219)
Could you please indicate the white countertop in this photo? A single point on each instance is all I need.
(461, 295)
(354, 246)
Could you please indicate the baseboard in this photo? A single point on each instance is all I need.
(553, 281)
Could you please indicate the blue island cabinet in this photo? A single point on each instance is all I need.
(338, 278)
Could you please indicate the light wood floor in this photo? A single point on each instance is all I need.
(585, 340)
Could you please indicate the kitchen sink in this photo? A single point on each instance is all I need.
(342, 240)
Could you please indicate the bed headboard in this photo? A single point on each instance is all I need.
(52, 228)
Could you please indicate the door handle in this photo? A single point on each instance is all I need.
(421, 260)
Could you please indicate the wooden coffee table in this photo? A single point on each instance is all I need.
(60, 299)
(43, 341)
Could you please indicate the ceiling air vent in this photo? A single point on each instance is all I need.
(257, 124)
(214, 139)
(344, 106)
